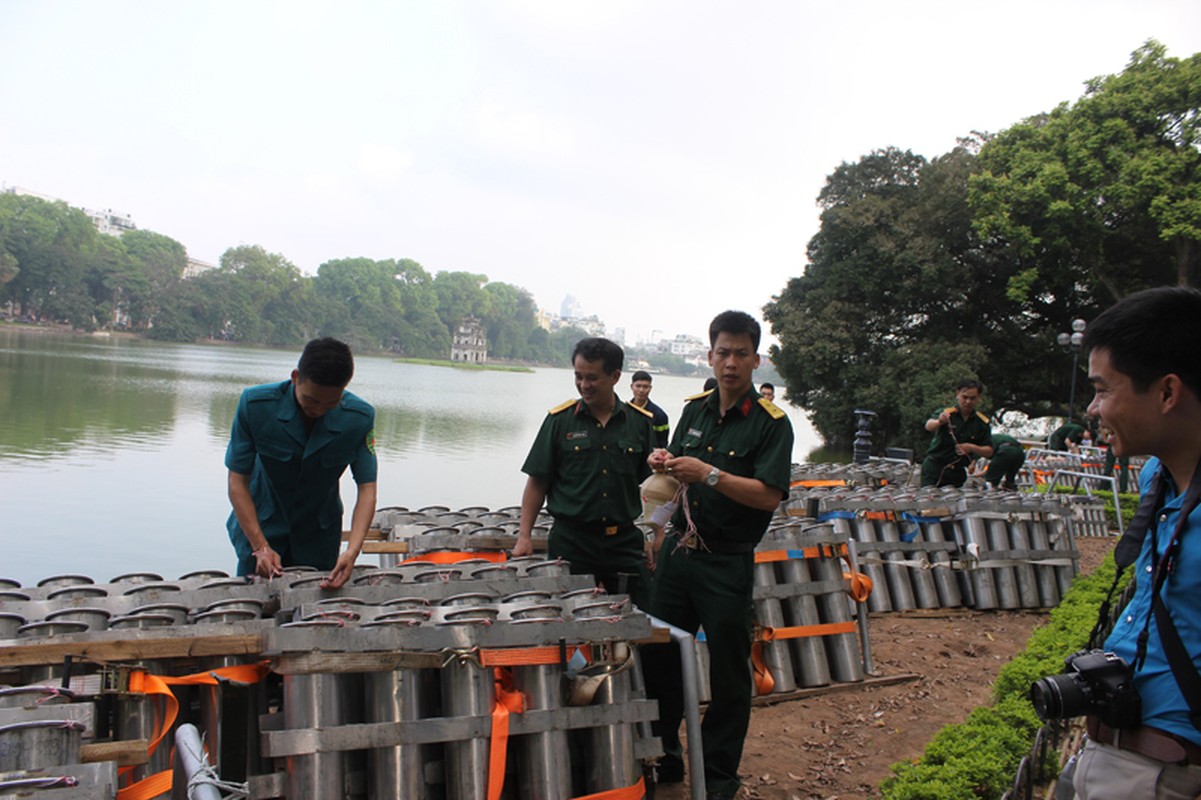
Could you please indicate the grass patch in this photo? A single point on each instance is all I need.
(437, 362)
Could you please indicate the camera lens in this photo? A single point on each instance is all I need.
(1059, 697)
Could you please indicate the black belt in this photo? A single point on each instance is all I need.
(596, 526)
(1147, 741)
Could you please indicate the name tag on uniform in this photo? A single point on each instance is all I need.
(573, 435)
(695, 432)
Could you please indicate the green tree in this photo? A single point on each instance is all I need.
(1102, 197)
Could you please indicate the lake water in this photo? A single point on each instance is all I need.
(112, 450)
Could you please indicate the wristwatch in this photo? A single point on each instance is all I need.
(711, 478)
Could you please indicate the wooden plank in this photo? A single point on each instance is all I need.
(379, 661)
(144, 647)
(835, 688)
(127, 753)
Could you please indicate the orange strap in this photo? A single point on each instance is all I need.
(149, 787)
(143, 682)
(764, 682)
(523, 656)
(635, 792)
(827, 550)
(454, 557)
(508, 701)
(861, 586)
(816, 484)
(884, 516)
(1041, 476)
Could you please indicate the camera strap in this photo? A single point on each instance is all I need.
(1126, 553)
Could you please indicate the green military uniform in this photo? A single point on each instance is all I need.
(592, 472)
(1071, 432)
(1008, 455)
(943, 466)
(294, 474)
(711, 586)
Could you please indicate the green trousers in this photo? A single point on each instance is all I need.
(617, 561)
(1004, 466)
(697, 589)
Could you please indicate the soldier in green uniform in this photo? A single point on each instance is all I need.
(586, 464)
(1008, 456)
(288, 448)
(961, 434)
(1066, 437)
(733, 449)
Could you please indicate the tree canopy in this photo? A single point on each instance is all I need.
(55, 266)
(967, 265)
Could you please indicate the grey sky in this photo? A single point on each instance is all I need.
(658, 160)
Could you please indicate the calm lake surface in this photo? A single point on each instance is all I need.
(112, 450)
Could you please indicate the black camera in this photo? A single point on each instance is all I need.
(1096, 683)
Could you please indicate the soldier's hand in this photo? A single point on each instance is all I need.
(341, 571)
(524, 546)
(267, 562)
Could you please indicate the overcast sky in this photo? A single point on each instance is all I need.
(657, 160)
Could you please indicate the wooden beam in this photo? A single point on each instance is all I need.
(128, 753)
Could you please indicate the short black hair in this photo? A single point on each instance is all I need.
(641, 375)
(1150, 334)
(969, 383)
(734, 322)
(710, 383)
(766, 385)
(594, 348)
(326, 362)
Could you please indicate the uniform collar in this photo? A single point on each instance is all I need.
(619, 407)
(290, 417)
(743, 406)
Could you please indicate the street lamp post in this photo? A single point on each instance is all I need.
(1072, 342)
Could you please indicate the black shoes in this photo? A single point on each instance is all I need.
(669, 771)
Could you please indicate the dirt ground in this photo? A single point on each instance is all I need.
(840, 744)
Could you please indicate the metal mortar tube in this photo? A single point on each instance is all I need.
(397, 771)
(812, 668)
(692, 705)
(1005, 577)
(841, 649)
(1027, 576)
(314, 701)
(864, 531)
(467, 691)
(1048, 586)
(611, 763)
(861, 608)
(543, 760)
(770, 614)
(983, 588)
(944, 580)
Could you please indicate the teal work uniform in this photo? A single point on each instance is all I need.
(942, 465)
(294, 475)
(711, 586)
(592, 472)
(1008, 455)
(1071, 432)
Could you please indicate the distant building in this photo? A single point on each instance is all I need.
(109, 222)
(570, 308)
(469, 343)
(195, 267)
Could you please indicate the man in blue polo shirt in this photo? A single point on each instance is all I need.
(1146, 370)
(289, 446)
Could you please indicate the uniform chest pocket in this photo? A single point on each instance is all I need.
(274, 451)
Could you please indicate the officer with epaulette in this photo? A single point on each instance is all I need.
(961, 435)
(733, 450)
(289, 446)
(586, 464)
